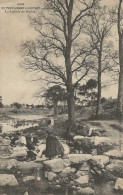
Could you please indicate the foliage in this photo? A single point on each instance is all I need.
(55, 93)
(87, 90)
(103, 99)
(16, 105)
(1, 105)
(110, 103)
(91, 84)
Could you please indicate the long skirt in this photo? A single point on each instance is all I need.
(53, 147)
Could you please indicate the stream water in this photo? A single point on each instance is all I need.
(18, 122)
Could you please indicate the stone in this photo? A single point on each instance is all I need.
(3, 194)
(83, 179)
(54, 165)
(82, 173)
(5, 147)
(71, 183)
(38, 178)
(66, 148)
(66, 162)
(78, 137)
(82, 130)
(92, 172)
(97, 170)
(119, 184)
(67, 171)
(6, 163)
(84, 167)
(102, 140)
(94, 152)
(51, 176)
(78, 158)
(95, 133)
(96, 140)
(46, 174)
(8, 179)
(19, 151)
(73, 189)
(5, 141)
(116, 154)
(102, 144)
(116, 168)
(52, 122)
(100, 160)
(108, 175)
(26, 193)
(57, 187)
(78, 188)
(86, 191)
(40, 159)
(57, 181)
(28, 178)
(92, 129)
(28, 165)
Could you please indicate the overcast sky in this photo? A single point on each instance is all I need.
(15, 28)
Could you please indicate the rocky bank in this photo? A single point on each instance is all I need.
(86, 159)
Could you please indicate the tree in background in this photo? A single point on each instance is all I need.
(1, 105)
(60, 52)
(16, 105)
(98, 29)
(120, 33)
(88, 91)
(53, 95)
(82, 91)
(91, 86)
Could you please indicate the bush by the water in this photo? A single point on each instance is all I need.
(107, 114)
(109, 104)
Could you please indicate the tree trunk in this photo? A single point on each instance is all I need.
(55, 108)
(71, 110)
(120, 88)
(92, 100)
(98, 109)
(70, 92)
(69, 84)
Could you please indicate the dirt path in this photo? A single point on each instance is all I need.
(111, 132)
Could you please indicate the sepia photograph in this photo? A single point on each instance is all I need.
(61, 97)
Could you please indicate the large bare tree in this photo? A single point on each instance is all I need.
(120, 33)
(99, 30)
(60, 52)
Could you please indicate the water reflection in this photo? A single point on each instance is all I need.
(27, 117)
(19, 122)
